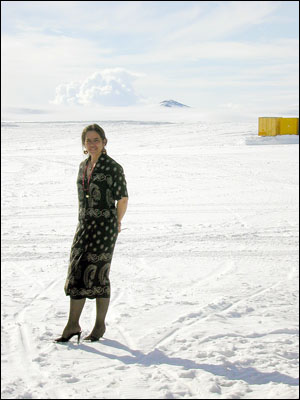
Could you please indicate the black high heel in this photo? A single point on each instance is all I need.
(63, 339)
(93, 338)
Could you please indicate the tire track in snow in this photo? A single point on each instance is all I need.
(24, 352)
(229, 268)
(198, 316)
(142, 359)
(139, 387)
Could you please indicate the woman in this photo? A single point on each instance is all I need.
(101, 182)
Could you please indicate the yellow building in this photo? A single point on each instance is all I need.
(272, 126)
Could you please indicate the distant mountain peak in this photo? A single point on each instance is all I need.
(172, 103)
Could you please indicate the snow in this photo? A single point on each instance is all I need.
(204, 276)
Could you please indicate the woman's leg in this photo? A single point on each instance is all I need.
(76, 307)
(101, 311)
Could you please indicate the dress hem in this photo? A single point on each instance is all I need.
(87, 297)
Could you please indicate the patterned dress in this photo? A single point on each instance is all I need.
(97, 229)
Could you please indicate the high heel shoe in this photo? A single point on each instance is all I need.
(63, 339)
(92, 338)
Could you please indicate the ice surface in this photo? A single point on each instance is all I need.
(204, 276)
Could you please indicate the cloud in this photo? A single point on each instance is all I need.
(222, 19)
(24, 110)
(109, 87)
(280, 49)
(195, 52)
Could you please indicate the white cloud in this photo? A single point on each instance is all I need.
(227, 18)
(109, 87)
(280, 49)
(193, 52)
(230, 106)
(67, 93)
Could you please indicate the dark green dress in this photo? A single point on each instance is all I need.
(97, 229)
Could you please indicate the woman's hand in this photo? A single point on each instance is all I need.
(121, 208)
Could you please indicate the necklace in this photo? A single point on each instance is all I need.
(88, 184)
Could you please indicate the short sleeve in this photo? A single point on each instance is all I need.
(119, 187)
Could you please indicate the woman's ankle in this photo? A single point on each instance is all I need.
(99, 325)
(72, 326)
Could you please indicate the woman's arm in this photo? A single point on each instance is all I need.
(121, 209)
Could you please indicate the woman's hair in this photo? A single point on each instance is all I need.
(96, 128)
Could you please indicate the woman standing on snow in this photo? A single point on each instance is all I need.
(101, 182)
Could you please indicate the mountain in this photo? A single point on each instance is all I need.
(172, 103)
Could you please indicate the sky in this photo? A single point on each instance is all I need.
(215, 55)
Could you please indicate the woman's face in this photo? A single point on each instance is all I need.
(93, 143)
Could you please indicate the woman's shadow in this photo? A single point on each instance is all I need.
(156, 357)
